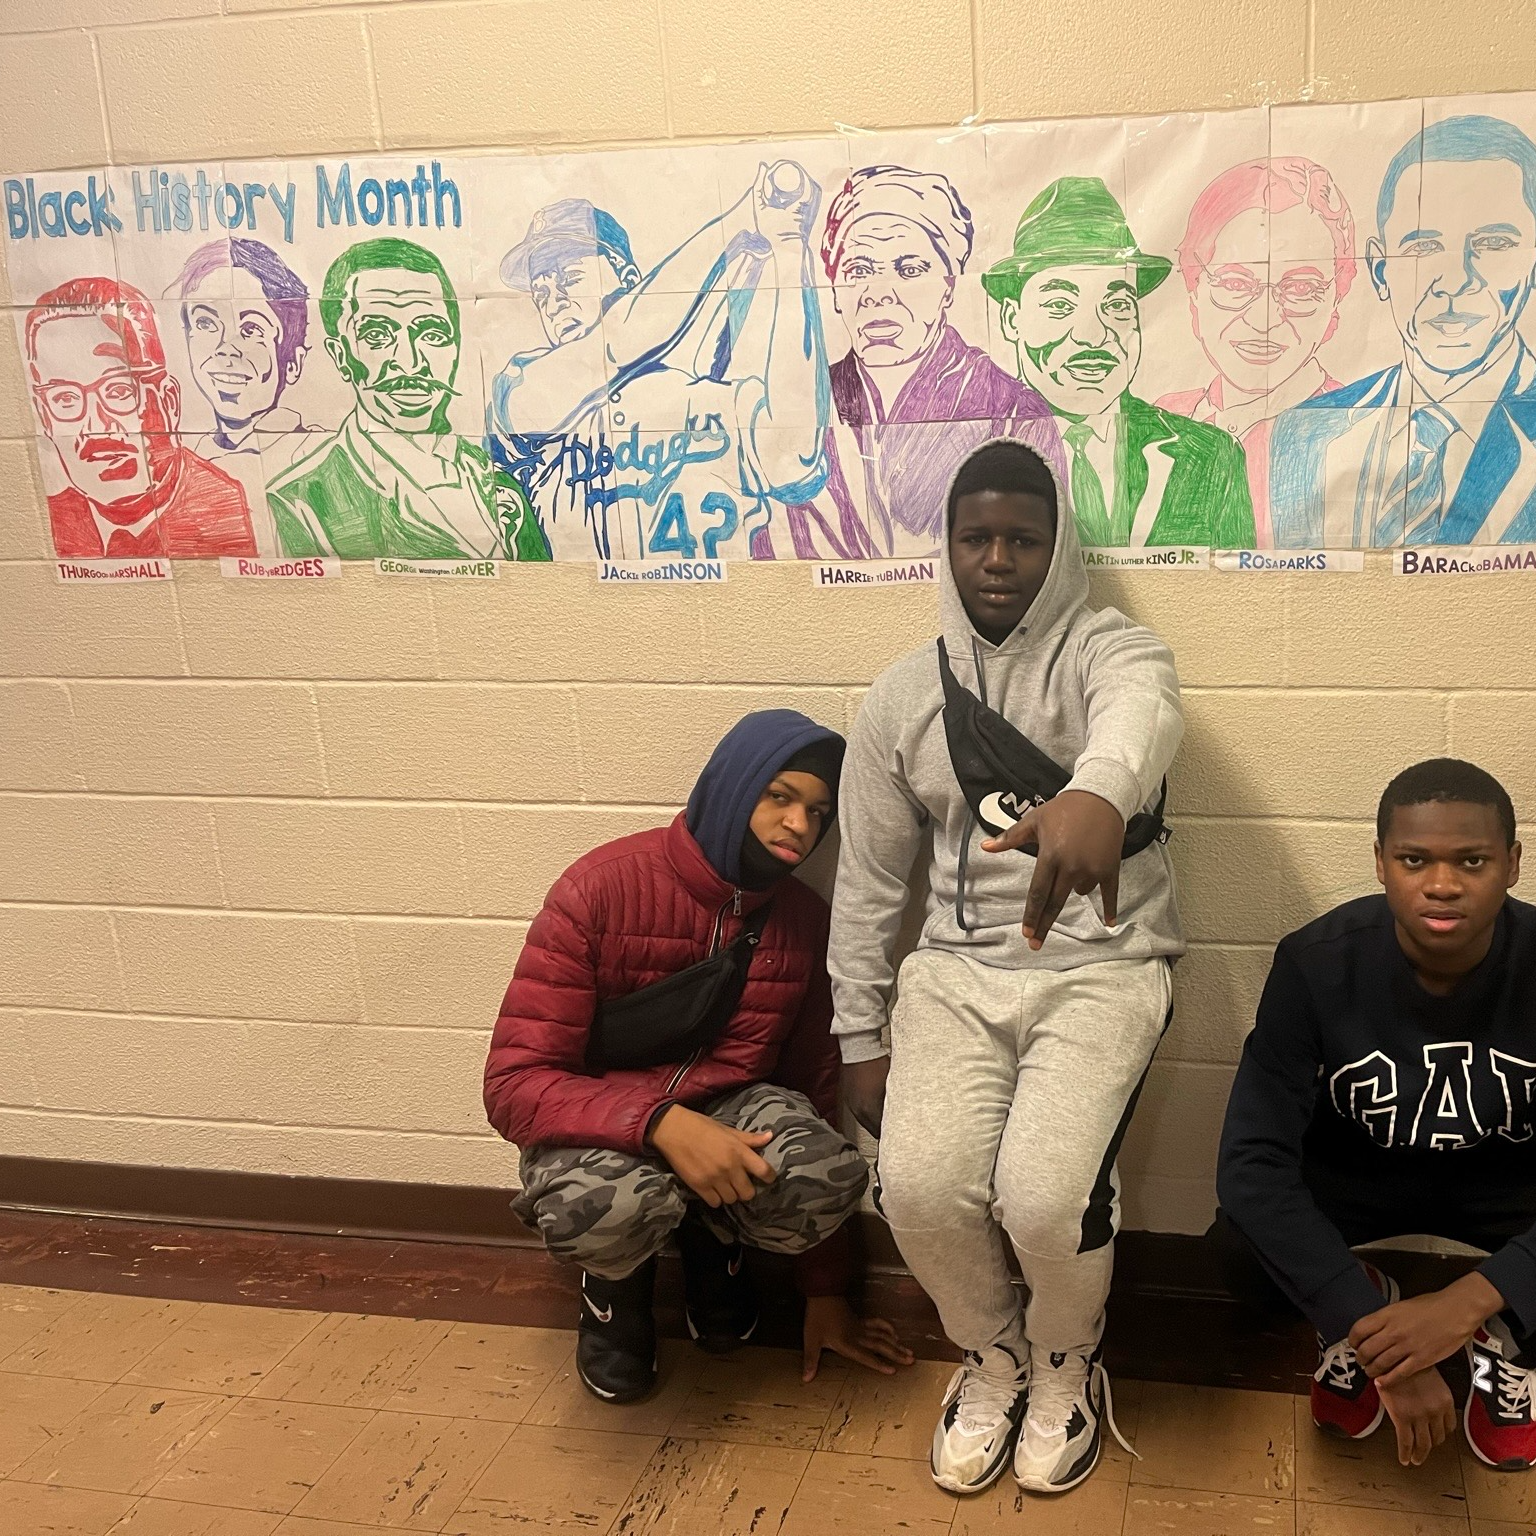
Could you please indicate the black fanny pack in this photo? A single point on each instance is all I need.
(1002, 773)
(671, 1019)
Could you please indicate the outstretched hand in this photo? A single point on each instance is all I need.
(1078, 837)
(830, 1323)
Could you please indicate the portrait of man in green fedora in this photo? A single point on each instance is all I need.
(1070, 299)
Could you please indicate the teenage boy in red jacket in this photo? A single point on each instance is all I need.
(736, 1142)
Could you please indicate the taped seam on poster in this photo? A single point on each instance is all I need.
(463, 570)
(236, 567)
(1321, 561)
(1231, 331)
(874, 573)
(1465, 562)
(111, 570)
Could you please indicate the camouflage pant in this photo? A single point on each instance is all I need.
(609, 1212)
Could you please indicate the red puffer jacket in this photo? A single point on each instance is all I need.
(631, 913)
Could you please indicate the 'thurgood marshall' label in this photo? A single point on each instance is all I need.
(1468, 560)
(1288, 559)
(464, 570)
(641, 571)
(316, 568)
(873, 573)
(151, 568)
(1162, 557)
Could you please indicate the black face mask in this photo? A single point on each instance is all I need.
(1002, 773)
(759, 868)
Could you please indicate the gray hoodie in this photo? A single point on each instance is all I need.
(1092, 690)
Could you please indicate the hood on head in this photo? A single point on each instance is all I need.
(1066, 584)
(738, 771)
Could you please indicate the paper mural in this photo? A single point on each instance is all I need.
(1298, 328)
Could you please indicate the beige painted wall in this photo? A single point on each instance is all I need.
(267, 853)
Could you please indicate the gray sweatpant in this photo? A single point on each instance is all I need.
(609, 1211)
(1008, 1097)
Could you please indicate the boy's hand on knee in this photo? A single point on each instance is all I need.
(1408, 1337)
(1422, 1412)
(864, 1090)
(717, 1162)
(1077, 837)
(830, 1323)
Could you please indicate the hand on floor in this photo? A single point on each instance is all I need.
(830, 1323)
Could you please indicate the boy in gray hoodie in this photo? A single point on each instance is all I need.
(1017, 1050)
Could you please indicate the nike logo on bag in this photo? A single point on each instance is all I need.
(602, 1314)
(1001, 811)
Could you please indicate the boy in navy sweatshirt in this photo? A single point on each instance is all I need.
(1387, 1089)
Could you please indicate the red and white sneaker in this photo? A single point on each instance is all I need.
(1499, 1420)
(1345, 1401)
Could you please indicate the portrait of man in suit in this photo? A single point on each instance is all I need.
(1070, 299)
(395, 479)
(1439, 448)
(112, 412)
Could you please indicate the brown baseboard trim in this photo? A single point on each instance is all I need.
(263, 1202)
(352, 1245)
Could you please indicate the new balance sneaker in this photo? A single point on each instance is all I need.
(982, 1409)
(1345, 1401)
(616, 1338)
(1069, 1403)
(1498, 1418)
(720, 1301)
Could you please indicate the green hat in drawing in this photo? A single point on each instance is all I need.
(1075, 222)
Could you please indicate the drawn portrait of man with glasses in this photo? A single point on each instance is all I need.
(112, 413)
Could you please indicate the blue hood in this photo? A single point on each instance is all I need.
(738, 771)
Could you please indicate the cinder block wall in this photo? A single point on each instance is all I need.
(267, 853)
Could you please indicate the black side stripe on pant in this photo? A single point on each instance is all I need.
(1098, 1219)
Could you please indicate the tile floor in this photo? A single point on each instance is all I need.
(142, 1417)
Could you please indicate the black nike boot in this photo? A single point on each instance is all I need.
(721, 1299)
(616, 1340)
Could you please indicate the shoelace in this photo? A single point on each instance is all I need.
(986, 1393)
(1054, 1393)
(1338, 1367)
(1513, 1388)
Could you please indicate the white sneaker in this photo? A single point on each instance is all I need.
(982, 1409)
(1069, 1402)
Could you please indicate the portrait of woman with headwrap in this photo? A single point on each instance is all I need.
(911, 397)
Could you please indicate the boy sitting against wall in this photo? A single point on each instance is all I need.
(1022, 757)
(1387, 1090)
(664, 1060)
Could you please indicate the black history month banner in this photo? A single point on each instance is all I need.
(1287, 329)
